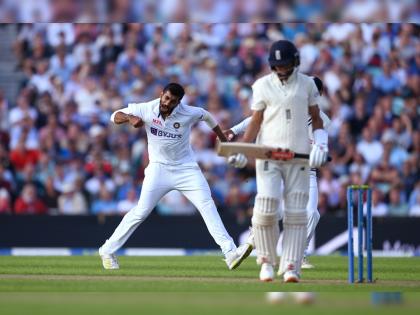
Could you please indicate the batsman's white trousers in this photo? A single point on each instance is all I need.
(159, 180)
(278, 179)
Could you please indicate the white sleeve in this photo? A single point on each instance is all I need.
(208, 118)
(132, 109)
(124, 110)
(241, 127)
(258, 101)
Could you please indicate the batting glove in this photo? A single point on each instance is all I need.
(319, 152)
(237, 160)
(318, 156)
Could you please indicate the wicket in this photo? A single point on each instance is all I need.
(361, 190)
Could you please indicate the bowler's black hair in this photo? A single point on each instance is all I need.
(175, 89)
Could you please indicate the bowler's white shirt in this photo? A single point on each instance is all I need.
(285, 110)
(169, 139)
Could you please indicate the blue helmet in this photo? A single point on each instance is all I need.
(282, 53)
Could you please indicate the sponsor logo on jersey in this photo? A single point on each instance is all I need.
(157, 122)
(164, 134)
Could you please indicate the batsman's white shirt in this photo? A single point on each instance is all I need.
(285, 110)
(241, 127)
(172, 167)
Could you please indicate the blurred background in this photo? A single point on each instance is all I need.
(65, 167)
(214, 11)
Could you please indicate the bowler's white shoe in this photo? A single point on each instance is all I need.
(267, 272)
(306, 264)
(291, 276)
(251, 237)
(110, 261)
(234, 258)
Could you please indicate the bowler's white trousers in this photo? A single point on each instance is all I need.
(159, 180)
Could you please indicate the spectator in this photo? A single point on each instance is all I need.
(71, 201)
(104, 204)
(396, 154)
(5, 204)
(371, 150)
(397, 205)
(28, 202)
(387, 82)
(129, 202)
(20, 157)
(62, 64)
(237, 203)
(41, 80)
(359, 166)
(174, 203)
(379, 207)
(51, 196)
(384, 176)
(360, 117)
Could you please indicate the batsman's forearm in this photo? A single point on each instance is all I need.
(253, 128)
(317, 123)
(251, 133)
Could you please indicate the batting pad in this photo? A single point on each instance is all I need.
(294, 240)
(265, 222)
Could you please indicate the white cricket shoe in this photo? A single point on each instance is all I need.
(306, 264)
(109, 261)
(291, 276)
(235, 257)
(267, 272)
(250, 240)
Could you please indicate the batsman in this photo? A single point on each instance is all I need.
(282, 103)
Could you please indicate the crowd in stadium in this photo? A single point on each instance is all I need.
(59, 153)
(208, 11)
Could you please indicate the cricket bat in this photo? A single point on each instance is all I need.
(258, 151)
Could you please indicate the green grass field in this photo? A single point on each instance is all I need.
(196, 304)
(192, 285)
(192, 274)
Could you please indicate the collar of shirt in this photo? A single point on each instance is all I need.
(289, 80)
(157, 112)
